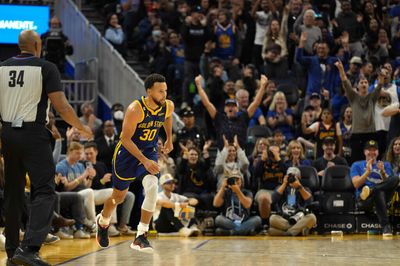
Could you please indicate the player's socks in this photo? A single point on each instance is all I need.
(105, 222)
(142, 229)
(141, 243)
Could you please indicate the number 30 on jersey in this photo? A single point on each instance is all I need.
(148, 135)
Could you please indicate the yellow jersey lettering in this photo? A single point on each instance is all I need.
(148, 135)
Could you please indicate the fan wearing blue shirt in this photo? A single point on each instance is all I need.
(375, 184)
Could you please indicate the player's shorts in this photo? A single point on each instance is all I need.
(126, 168)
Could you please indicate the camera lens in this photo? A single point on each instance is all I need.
(231, 181)
(291, 178)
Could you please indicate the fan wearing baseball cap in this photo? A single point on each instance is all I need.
(170, 206)
(191, 131)
(375, 184)
(229, 123)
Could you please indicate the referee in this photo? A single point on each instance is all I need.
(27, 83)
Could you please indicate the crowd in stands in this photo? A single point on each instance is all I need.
(264, 87)
(273, 84)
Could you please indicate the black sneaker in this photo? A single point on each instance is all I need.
(22, 257)
(387, 230)
(142, 244)
(102, 234)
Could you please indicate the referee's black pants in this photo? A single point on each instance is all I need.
(27, 151)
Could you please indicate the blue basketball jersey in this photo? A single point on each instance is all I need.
(146, 133)
(225, 45)
(125, 166)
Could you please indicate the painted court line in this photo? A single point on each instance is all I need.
(90, 253)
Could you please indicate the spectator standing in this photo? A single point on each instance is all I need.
(363, 108)
(346, 129)
(242, 98)
(323, 129)
(191, 131)
(352, 23)
(322, 75)
(308, 29)
(229, 123)
(56, 45)
(195, 34)
(262, 19)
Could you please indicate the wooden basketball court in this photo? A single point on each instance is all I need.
(259, 250)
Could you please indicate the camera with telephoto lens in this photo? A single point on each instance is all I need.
(231, 181)
(295, 218)
(291, 178)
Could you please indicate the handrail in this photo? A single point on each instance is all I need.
(117, 81)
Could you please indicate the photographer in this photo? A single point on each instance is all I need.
(56, 45)
(235, 218)
(269, 171)
(291, 199)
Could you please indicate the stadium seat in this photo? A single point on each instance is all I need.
(337, 197)
(258, 131)
(255, 132)
(337, 190)
(309, 178)
(291, 92)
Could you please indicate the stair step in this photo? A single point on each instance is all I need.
(97, 18)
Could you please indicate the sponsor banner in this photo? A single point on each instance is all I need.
(14, 19)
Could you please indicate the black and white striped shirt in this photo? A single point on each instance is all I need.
(25, 82)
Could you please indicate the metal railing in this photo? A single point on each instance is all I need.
(84, 87)
(79, 92)
(116, 80)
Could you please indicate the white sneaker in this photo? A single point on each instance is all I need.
(63, 235)
(80, 234)
(112, 231)
(365, 193)
(126, 231)
(187, 232)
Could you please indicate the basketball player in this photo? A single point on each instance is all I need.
(135, 157)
